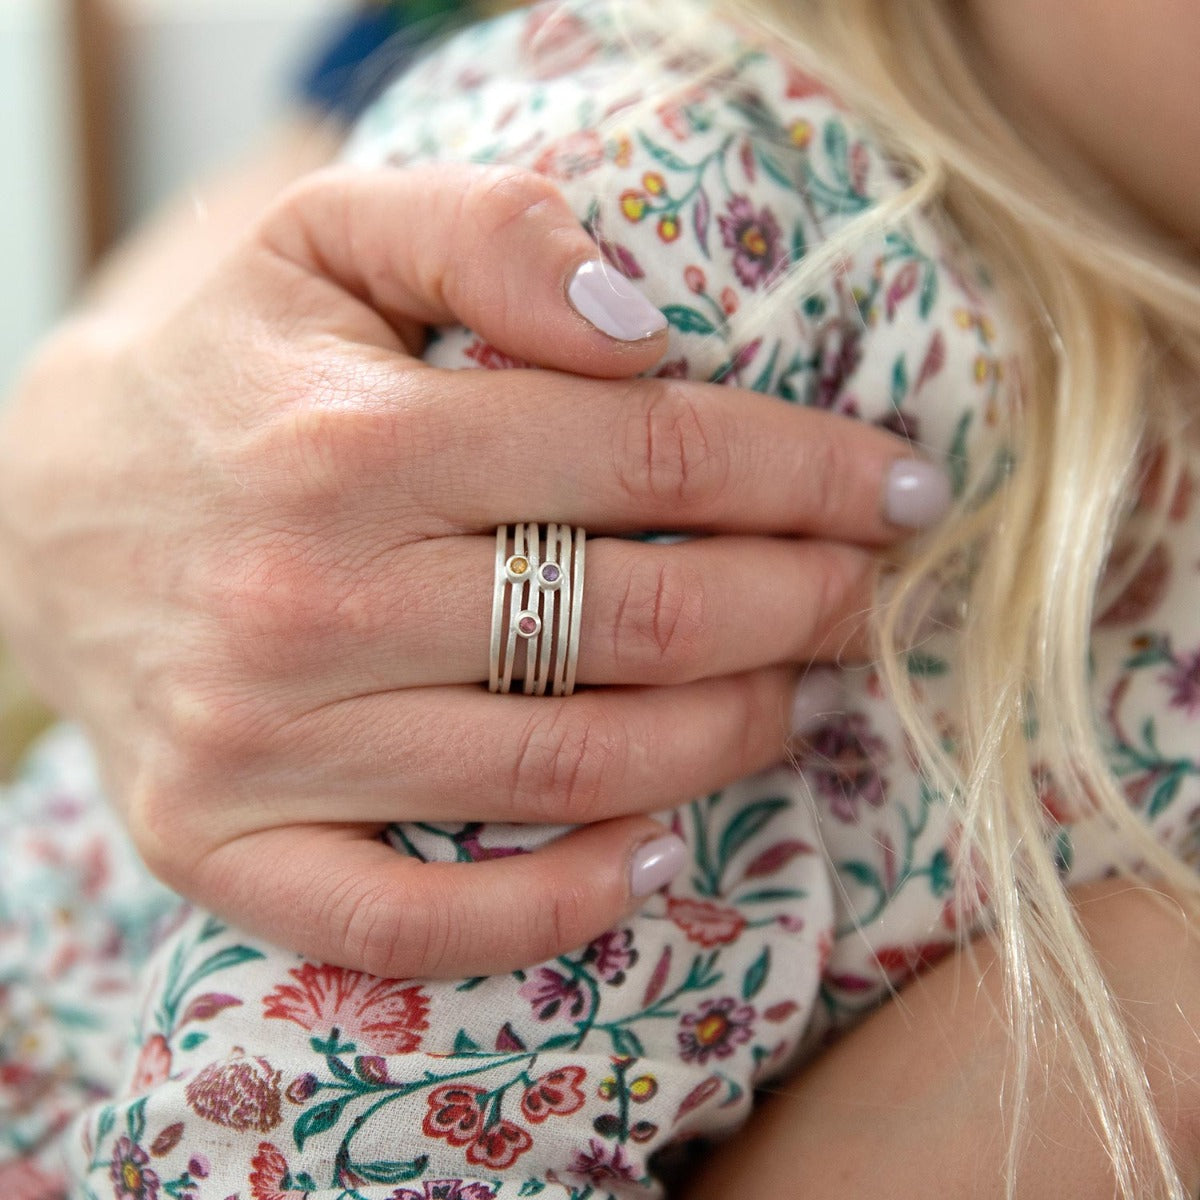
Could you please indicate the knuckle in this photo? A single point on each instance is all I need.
(830, 620)
(674, 454)
(561, 923)
(828, 477)
(565, 765)
(157, 815)
(662, 620)
(499, 199)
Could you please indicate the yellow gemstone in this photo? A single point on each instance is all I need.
(518, 565)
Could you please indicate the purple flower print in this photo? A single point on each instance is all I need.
(598, 1164)
(447, 1189)
(613, 954)
(132, 1179)
(756, 242)
(549, 992)
(716, 1030)
(841, 759)
(1184, 681)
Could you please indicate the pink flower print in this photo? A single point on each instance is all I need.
(756, 242)
(1184, 681)
(613, 954)
(454, 1113)
(499, 1146)
(706, 923)
(599, 1164)
(268, 1171)
(447, 1189)
(840, 758)
(153, 1065)
(383, 1015)
(131, 1175)
(571, 156)
(716, 1030)
(548, 993)
(557, 1093)
(238, 1093)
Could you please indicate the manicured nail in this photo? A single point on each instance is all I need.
(819, 696)
(610, 302)
(656, 863)
(917, 494)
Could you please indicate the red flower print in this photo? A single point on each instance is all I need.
(499, 1147)
(132, 1178)
(556, 42)
(715, 1031)
(704, 922)
(571, 156)
(238, 1093)
(454, 1113)
(694, 278)
(755, 238)
(268, 1171)
(491, 359)
(903, 962)
(600, 1165)
(383, 1015)
(153, 1065)
(549, 992)
(1144, 592)
(556, 1093)
(167, 1140)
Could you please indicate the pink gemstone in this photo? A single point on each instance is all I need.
(528, 626)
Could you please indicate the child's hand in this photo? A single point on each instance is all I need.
(251, 550)
(913, 1103)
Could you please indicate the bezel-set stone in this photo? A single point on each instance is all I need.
(517, 568)
(527, 624)
(550, 575)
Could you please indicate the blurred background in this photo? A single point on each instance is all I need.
(109, 106)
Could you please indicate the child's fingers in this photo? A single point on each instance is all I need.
(342, 896)
(495, 249)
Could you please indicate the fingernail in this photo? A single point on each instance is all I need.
(917, 494)
(656, 863)
(612, 304)
(818, 697)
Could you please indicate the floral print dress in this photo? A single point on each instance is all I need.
(147, 1051)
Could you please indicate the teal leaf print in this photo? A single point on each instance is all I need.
(753, 818)
(193, 1039)
(837, 149)
(661, 154)
(940, 878)
(532, 1187)
(135, 1121)
(763, 382)
(929, 293)
(863, 873)
(772, 896)
(1064, 852)
(317, 1120)
(776, 172)
(756, 976)
(956, 460)
(899, 382)
(799, 249)
(687, 319)
(625, 1041)
(1163, 794)
(223, 960)
(107, 1123)
(391, 1172)
(925, 666)
(463, 1045)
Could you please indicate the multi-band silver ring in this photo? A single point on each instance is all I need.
(537, 607)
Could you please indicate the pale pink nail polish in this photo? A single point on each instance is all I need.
(607, 300)
(655, 864)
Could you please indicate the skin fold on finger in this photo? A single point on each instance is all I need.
(461, 752)
(340, 895)
(651, 614)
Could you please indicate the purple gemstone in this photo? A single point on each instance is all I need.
(550, 573)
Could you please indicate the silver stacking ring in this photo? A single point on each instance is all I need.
(537, 607)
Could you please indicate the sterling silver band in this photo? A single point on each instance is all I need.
(537, 600)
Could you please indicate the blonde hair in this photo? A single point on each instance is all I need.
(1106, 312)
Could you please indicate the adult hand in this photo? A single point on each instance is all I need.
(251, 547)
